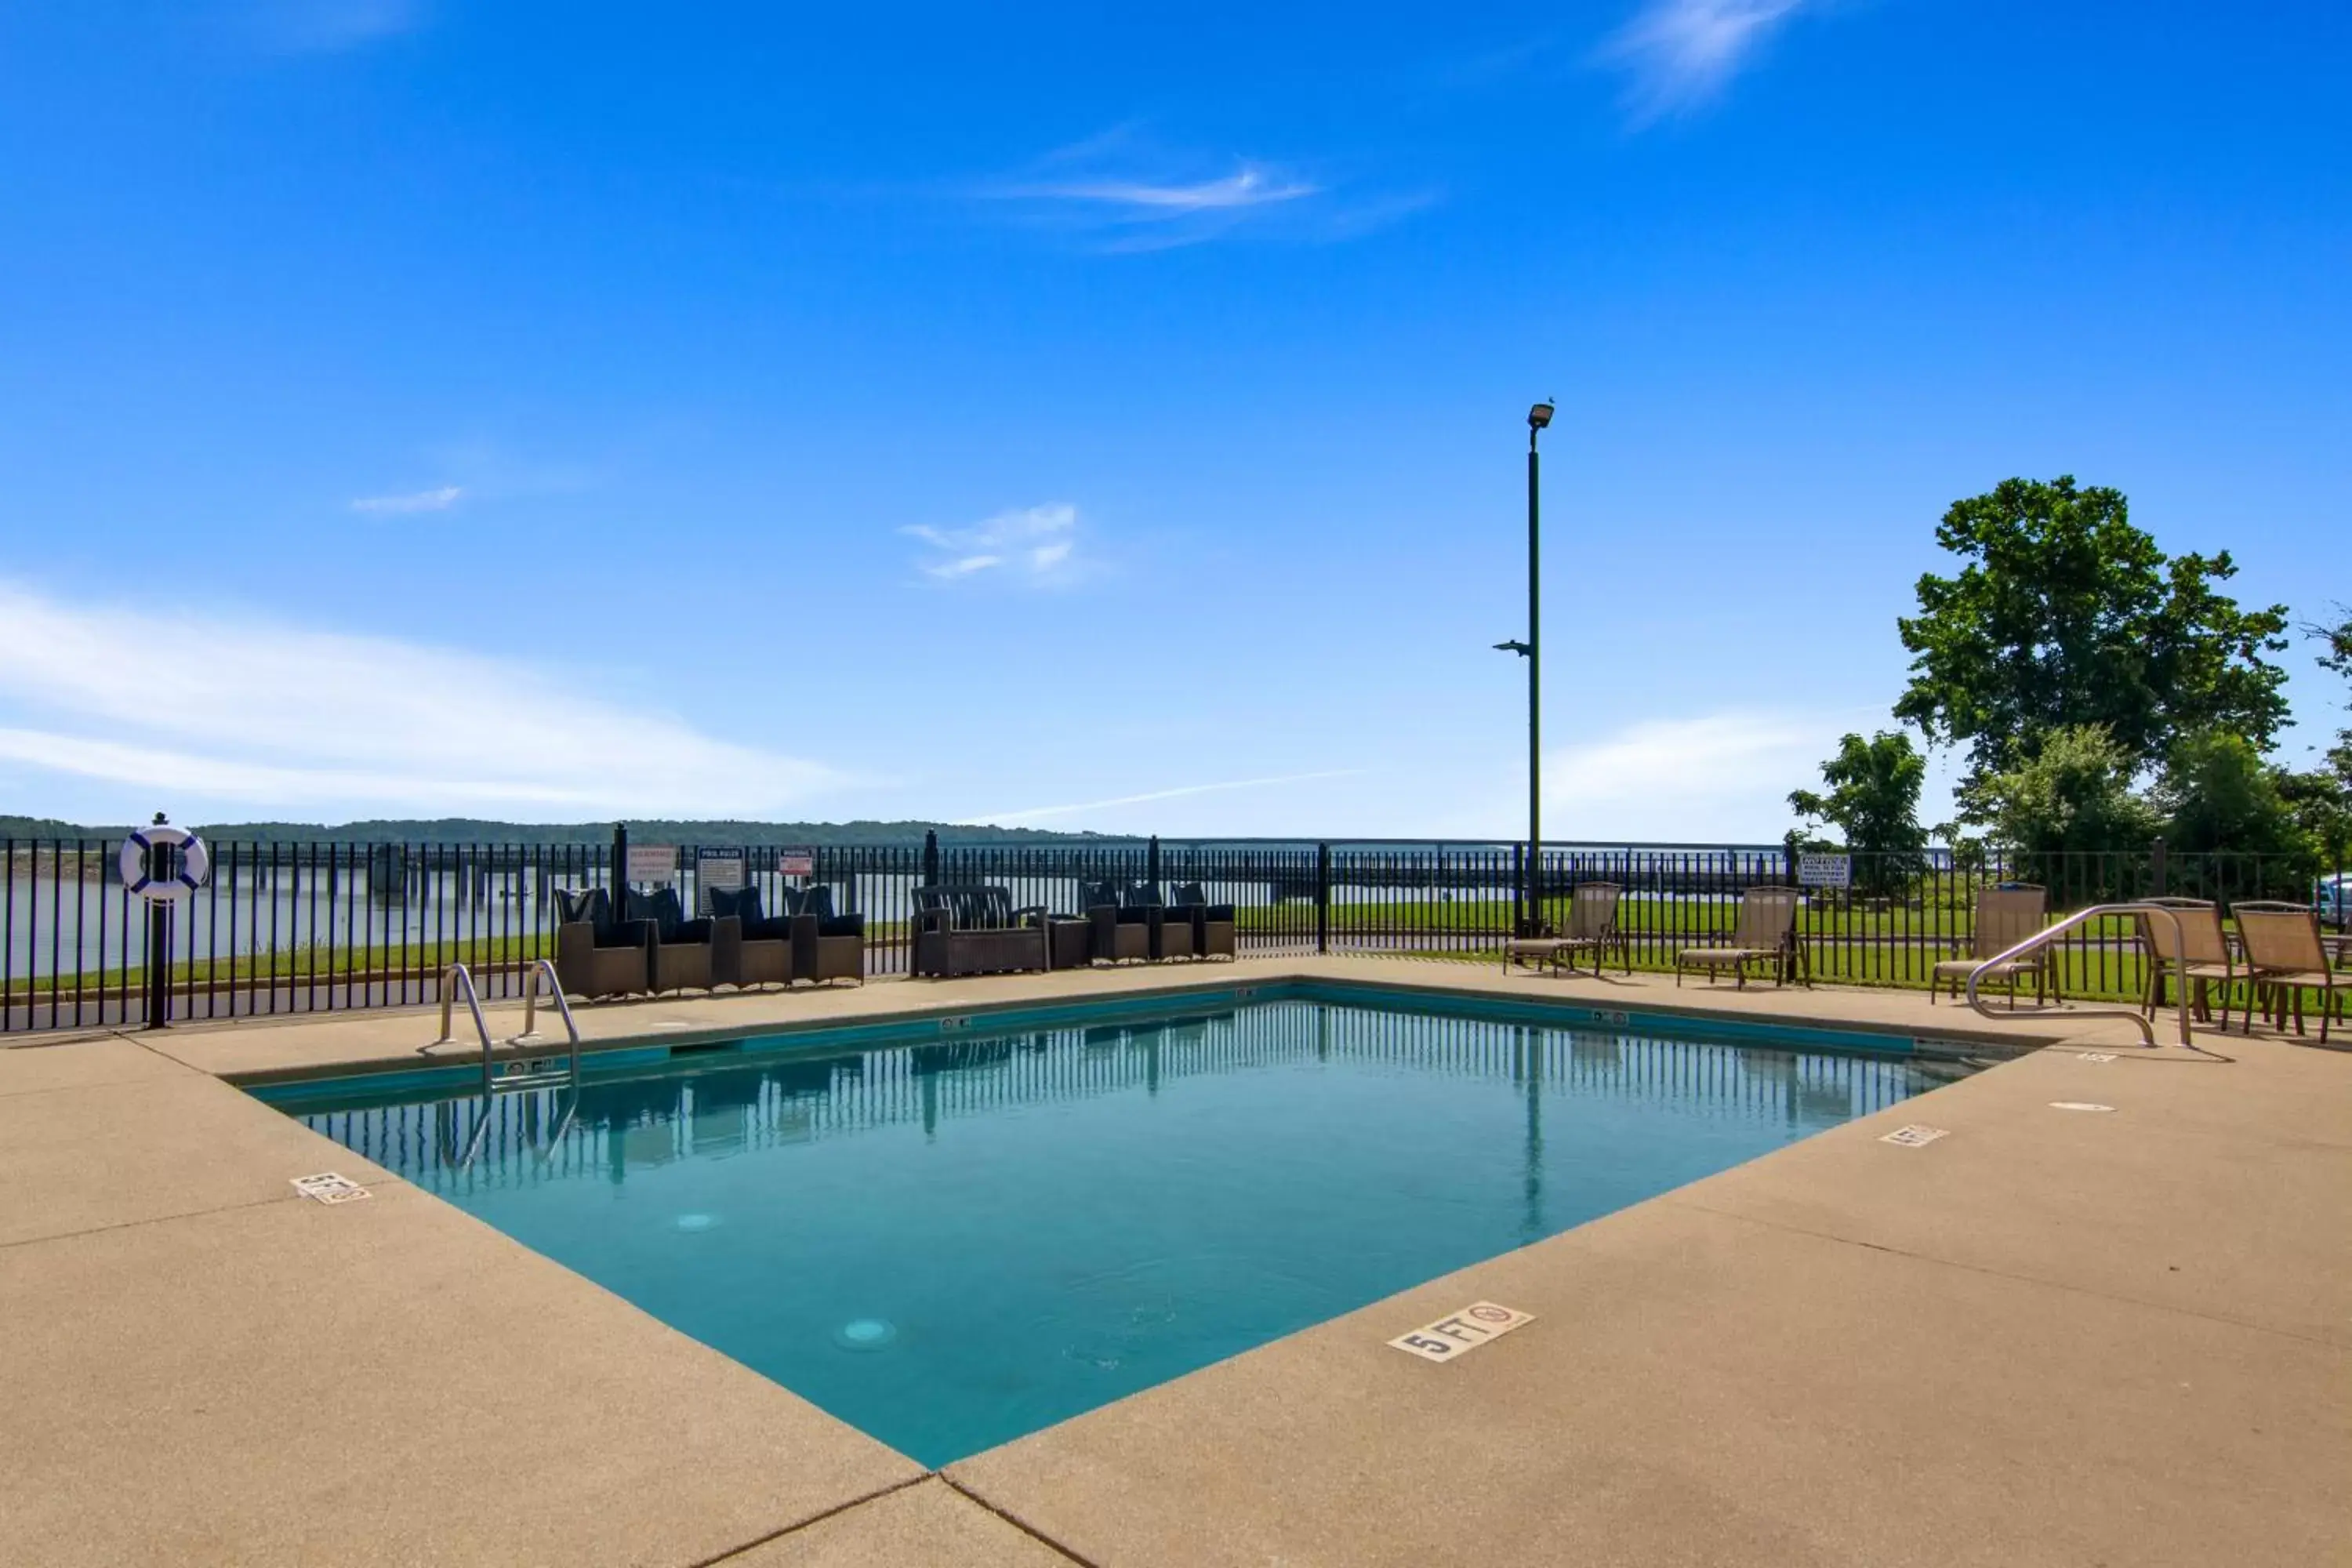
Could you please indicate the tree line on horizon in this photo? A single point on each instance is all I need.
(2106, 695)
(476, 830)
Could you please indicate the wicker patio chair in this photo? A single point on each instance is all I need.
(2204, 960)
(2005, 916)
(680, 954)
(1216, 933)
(1121, 932)
(2286, 958)
(596, 955)
(1171, 929)
(825, 945)
(747, 946)
(1765, 932)
(975, 929)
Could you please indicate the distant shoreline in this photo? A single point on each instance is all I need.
(476, 830)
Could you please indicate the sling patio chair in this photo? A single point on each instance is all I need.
(1766, 933)
(596, 955)
(970, 928)
(747, 946)
(679, 957)
(2203, 962)
(2005, 916)
(1592, 928)
(827, 946)
(2286, 958)
(1119, 931)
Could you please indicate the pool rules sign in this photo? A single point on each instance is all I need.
(1449, 1338)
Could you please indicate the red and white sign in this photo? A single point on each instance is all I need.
(796, 862)
(653, 863)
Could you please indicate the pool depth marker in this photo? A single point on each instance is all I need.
(1465, 1330)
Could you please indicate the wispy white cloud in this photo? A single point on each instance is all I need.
(1679, 54)
(1031, 814)
(1125, 194)
(1719, 776)
(1036, 545)
(249, 714)
(440, 500)
(1250, 186)
(326, 27)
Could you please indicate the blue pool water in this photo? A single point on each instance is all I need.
(954, 1242)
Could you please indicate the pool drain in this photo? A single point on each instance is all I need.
(864, 1335)
(696, 1221)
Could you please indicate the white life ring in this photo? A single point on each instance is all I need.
(194, 863)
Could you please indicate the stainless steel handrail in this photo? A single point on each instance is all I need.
(453, 979)
(2051, 933)
(456, 978)
(537, 969)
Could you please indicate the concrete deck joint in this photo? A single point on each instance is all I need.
(2218, 1319)
(1015, 1521)
(736, 1552)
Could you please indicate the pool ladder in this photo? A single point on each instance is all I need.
(519, 1074)
(2163, 923)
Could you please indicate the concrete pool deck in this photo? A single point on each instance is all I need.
(2049, 1337)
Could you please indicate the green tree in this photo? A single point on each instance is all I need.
(2074, 793)
(1873, 800)
(2218, 794)
(2065, 616)
(2322, 804)
(2322, 798)
(2337, 639)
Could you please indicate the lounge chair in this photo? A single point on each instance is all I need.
(825, 945)
(747, 945)
(1171, 929)
(970, 929)
(1766, 933)
(1216, 933)
(2203, 961)
(596, 955)
(1119, 931)
(2005, 916)
(1591, 927)
(680, 954)
(2286, 958)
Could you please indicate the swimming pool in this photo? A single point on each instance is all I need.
(974, 1230)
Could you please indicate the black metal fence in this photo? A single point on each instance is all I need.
(298, 928)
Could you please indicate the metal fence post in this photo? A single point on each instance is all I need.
(2157, 868)
(159, 963)
(931, 857)
(1151, 862)
(1518, 889)
(1322, 898)
(620, 872)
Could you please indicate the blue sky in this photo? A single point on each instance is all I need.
(1095, 418)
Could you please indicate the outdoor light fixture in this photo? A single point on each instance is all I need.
(1531, 892)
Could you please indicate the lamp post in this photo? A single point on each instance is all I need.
(1531, 650)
